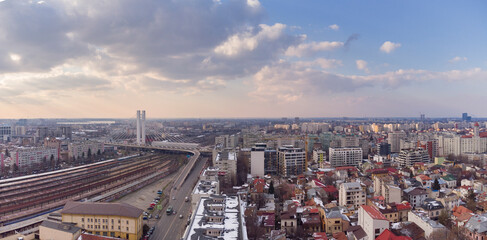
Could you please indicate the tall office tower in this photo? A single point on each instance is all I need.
(409, 157)
(140, 127)
(345, 156)
(465, 117)
(422, 118)
(291, 161)
(394, 138)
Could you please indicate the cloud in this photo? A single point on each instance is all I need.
(308, 49)
(247, 41)
(179, 41)
(362, 65)
(388, 46)
(334, 27)
(290, 82)
(458, 59)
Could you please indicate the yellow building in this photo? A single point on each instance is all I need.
(50, 230)
(105, 219)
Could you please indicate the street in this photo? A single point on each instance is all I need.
(172, 227)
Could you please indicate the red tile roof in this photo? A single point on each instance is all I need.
(320, 236)
(388, 235)
(403, 206)
(373, 212)
(353, 169)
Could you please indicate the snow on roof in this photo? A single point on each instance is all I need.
(229, 227)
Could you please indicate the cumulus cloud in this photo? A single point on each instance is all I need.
(334, 27)
(187, 43)
(308, 49)
(362, 65)
(389, 47)
(458, 59)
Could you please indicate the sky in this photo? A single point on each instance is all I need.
(242, 58)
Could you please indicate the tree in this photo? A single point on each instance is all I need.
(89, 153)
(436, 185)
(7, 153)
(444, 218)
(271, 187)
(145, 229)
(98, 152)
(16, 168)
(471, 204)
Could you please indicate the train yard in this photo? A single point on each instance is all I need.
(25, 198)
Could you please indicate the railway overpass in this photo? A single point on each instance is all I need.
(167, 147)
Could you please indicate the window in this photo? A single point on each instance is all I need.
(377, 231)
(83, 219)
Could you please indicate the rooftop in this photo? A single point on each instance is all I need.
(373, 212)
(106, 209)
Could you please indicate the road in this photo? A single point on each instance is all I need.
(172, 227)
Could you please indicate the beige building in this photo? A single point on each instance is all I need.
(50, 230)
(81, 149)
(105, 219)
(351, 194)
(372, 221)
(384, 186)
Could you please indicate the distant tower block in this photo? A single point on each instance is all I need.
(143, 128)
(140, 127)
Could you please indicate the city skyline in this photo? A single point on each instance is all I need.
(242, 59)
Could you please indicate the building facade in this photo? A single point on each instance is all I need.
(345, 157)
(105, 219)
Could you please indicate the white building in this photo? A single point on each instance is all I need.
(423, 221)
(351, 194)
(226, 161)
(372, 221)
(345, 157)
(257, 160)
(81, 149)
(457, 144)
(27, 157)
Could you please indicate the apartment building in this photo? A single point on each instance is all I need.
(351, 194)
(291, 160)
(345, 157)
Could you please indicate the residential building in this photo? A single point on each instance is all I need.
(351, 194)
(226, 161)
(207, 186)
(345, 157)
(217, 216)
(291, 160)
(415, 196)
(319, 156)
(83, 149)
(432, 207)
(26, 157)
(476, 227)
(409, 157)
(335, 221)
(423, 221)
(105, 219)
(394, 139)
(372, 221)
